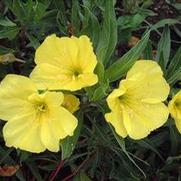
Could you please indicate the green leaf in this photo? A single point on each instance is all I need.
(163, 48)
(100, 92)
(148, 52)
(6, 155)
(34, 170)
(174, 139)
(99, 70)
(108, 34)
(4, 50)
(6, 22)
(91, 26)
(146, 144)
(175, 63)
(9, 32)
(162, 62)
(34, 42)
(121, 143)
(75, 19)
(61, 21)
(68, 144)
(130, 21)
(174, 69)
(17, 8)
(40, 9)
(81, 177)
(175, 77)
(164, 22)
(122, 65)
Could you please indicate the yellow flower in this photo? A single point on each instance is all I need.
(71, 103)
(35, 122)
(136, 106)
(65, 63)
(175, 109)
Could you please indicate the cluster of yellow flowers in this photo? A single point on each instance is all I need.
(39, 115)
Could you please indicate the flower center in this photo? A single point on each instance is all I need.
(42, 107)
(76, 73)
(122, 98)
(178, 104)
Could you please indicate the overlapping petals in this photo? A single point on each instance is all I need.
(136, 106)
(35, 122)
(65, 63)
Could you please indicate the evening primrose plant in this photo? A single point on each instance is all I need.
(68, 64)
(77, 102)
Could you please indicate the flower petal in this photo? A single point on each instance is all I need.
(14, 92)
(145, 81)
(11, 83)
(113, 99)
(47, 51)
(23, 132)
(86, 58)
(175, 106)
(50, 77)
(116, 119)
(54, 98)
(59, 125)
(48, 138)
(65, 120)
(71, 103)
(142, 118)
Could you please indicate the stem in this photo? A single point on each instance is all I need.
(54, 173)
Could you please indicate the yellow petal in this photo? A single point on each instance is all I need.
(48, 76)
(88, 79)
(71, 103)
(145, 67)
(82, 80)
(63, 116)
(175, 106)
(53, 78)
(175, 109)
(47, 51)
(113, 99)
(60, 124)
(14, 92)
(86, 53)
(142, 118)
(17, 86)
(116, 119)
(48, 138)
(23, 132)
(68, 51)
(145, 81)
(54, 98)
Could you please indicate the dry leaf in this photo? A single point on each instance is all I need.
(133, 41)
(7, 171)
(8, 58)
